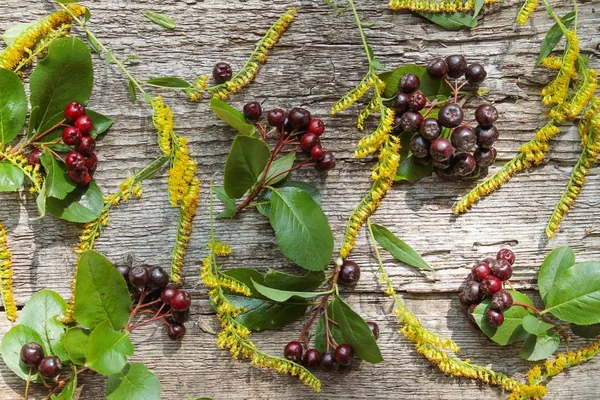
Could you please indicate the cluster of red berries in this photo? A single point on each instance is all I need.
(32, 356)
(82, 161)
(297, 121)
(151, 285)
(486, 279)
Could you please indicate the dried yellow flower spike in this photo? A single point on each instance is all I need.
(162, 119)
(526, 10)
(187, 211)
(436, 6)
(181, 172)
(6, 277)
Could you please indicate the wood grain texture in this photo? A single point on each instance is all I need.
(317, 61)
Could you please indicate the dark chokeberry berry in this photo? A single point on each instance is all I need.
(464, 164)
(73, 111)
(486, 115)
(181, 300)
(91, 163)
(446, 164)
(222, 72)
(494, 318)
(457, 65)
(472, 292)
(139, 277)
(410, 83)
(484, 157)
(308, 141)
(328, 362)
(176, 331)
(84, 124)
(87, 145)
(293, 351)
(80, 176)
(463, 138)
(252, 111)
(312, 358)
(124, 271)
(490, 285)
(34, 157)
(327, 162)
(480, 271)
(417, 101)
(506, 254)
(180, 316)
(486, 137)
(475, 74)
(400, 103)
(374, 329)
(349, 273)
(502, 300)
(462, 299)
(451, 115)
(49, 367)
(276, 117)
(437, 68)
(31, 354)
(316, 126)
(167, 294)
(344, 354)
(71, 136)
(430, 129)
(299, 118)
(158, 277)
(317, 153)
(419, 146)
(75, 161)
(411, 121)
(502, 269)
(441, 149)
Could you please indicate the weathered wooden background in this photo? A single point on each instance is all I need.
(316, 62)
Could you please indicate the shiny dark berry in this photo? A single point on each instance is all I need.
(328, 362)
(463, 138)
(74, 110)
(502, 269)
(490, 285)
(316, 126)
(317, 152)
(396, 127)
(222, 72)
(464, 164)
(419, 146)
(327, 162)
(176, 331)
(349, 273)
(34, 157)
(158, 277)
(437, 68)
(75, 160)
(84, 124)
(462, 299)
(344, 354)
(91, 163)
(139, 277)
(417, 101)
(167, 294)
(49, 367)
(480, 271)
(80, 176)
(430, 129)
(276, 117)
(87, 145)
(502, 300)
(475, 73)
(308, 141)
(409, 83)
(71, 136)
(374, 329)
(252, 111)
(312, 358)
(486, 115)
(299, 118)
(494, 318)
(31, 354)
(441, 149)
(124, 271)
(180, 316)
(411, 121)
(484, 157)
(451, 115)
(400, 103)
(472, 292)
(457, 65)
(181, 300)
(486, 136)
(293, 351)
(444, 164)
(506, 254)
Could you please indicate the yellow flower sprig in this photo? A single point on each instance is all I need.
(162, 119)
(187, 211)
(182, 172)
(435, 6)
(6, 277)
(35, 38)
(526, 9)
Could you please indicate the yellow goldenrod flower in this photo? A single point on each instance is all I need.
(162, 119)
(187, 211)
(372, 142)
(436, 6)
(181, 172)
(352, 96)
(219, 248)
(6, 277)
(551, 62)
(526, 10)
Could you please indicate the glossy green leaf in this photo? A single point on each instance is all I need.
(429, 86)
(13, 105)
(478, 6)
(300, 224)
(512, 329)
(230, 208)
(58, 183)
(14, 32)
(411, 171)
(11, 177)
(588, 331)
(575, 295)
(12, 342)
(232, 117)
(40, 201)
(151, 169)
(246, 161)
(102, 123)
(42, 313)
(52, 89)
(320, 333)
(134, 382)
(355, 331)
(160, 19)
(535, 326)
(282, 296)
(69, 390)
(263, 202)
(264, 314)
(304, 283)
(101, 293)
(93, 43)
(554, 35)
(107, 349)
(279, 167)
(452, 21)
(169, 82)
(132, 91)
(396, 247)
(557, 261)
(539, 347)
(84, 204)
(75, 341)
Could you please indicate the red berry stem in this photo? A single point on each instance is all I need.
(159, 318)
(135, 311)
(539, 313)
(307, 163)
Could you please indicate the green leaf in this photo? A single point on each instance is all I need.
(40, 201)
(101, 293)
(305, 283)
(12, 342)
(108, 58)
(14, 32)
(554, 35)
(169, 82)
(264, 314)
(11, 177)
(400, 250)
(247, 276)
(230, 209)
(84, 204)
(42, 314)
(102, 123)
(589, 331)
(277, 170)
(575, 295)
(557, 261)
(151, 169)
(13, 105)
(535, 326)
(58, 183)
(300, 224)
(429, 86)
(355, 331)
(263, 204)
(452, 21)
(282, 296)
(512, 329)
(63, 76)
(160, 19)
(94, 45)
(134, 382)
(478, 6)
(232, 117)
(69, 390)
(320, 333)
(132, 91)
(246, 161)
(411, 171)
(539, 347)
(107, 349)
(75, 341)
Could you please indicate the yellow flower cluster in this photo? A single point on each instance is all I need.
(551, 62)
(436, 6)
(200, 84)
(187, 211)
(219, 248)
(556, 91)
(55, 24)
(369, 144)
(6, 277)
(33, 173)
(162, 119)
(366, 112)
(219, 280)
(181, 172)
(526, 10)
(355, 94)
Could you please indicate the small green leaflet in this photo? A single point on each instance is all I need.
(411, 171)
(451, 21)
(14, 32)
(102, 123)
(281, 296)
(478, 6)
(232, 117)
(11, 177)
(169, 82)
(247, 158)
(160, 19)
(539, 347)
(264, 314)
(84, 204)
(107, 349)
(132, 91)
(13, 105)
(230, 210)
(554, 35)
(557, 261)
(400, 250)
(263, 203)
(535, 326)
(278, 169)
(134, 382)
(58, 183)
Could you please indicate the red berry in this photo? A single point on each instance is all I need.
(316, 126)
(139, 276)
(252, 111)
(31, 354)
(502, 270)
(276, 117)
(74, 110)
(308, 141)
(50, 367)
(490, 285)
(167, 294)
(299, 118)
(502, 300)
(327, 162)
(158, 277)
(71, 136)
(312, 358)
(91, 163)
(80, 176)
(409, 83)
(181, 300)
(472, 292)
(87, 145)
(75, 161)
(84, 124)
(328, 362)
(176, 331)
(34, 157)
(349, 273)
(462, 299)
(317, 152)
(506, 254)
(480, 271)
(293, 351)
(417, 101)
(344, 354)
(494, 318)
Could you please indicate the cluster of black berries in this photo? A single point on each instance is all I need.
(297, 121)
(486, 279)
(446, 142)
(32, 356)
(152, 282)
